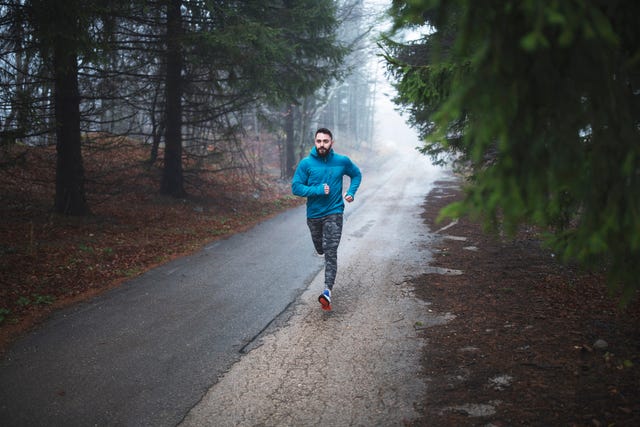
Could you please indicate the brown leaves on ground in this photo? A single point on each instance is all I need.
(520, 350)
(49, 261)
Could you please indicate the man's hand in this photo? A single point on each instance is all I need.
(348, 198)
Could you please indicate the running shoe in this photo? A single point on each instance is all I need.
(325, 299)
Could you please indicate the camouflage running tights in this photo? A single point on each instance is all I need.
(325, 234)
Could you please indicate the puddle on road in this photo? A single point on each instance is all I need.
(500, 382)
(443, 271)
(474, 409)
(363, 230)
(457, 238)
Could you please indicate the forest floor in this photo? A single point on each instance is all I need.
(533, 342)
(49, 261)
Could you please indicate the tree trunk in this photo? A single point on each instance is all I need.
(290, 144)
(172, 177)
(70, 193)
(157, 128)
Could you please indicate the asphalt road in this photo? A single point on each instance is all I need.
(150, 351)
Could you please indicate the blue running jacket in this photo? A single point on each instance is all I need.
(314, 171)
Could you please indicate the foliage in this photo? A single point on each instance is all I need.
(4, 313)
(541, 101)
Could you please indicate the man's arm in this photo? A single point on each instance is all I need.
(355, 175)
(299, 185)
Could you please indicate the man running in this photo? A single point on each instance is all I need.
(318, 177)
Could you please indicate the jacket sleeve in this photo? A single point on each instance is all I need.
(299, 185)
(354, 173)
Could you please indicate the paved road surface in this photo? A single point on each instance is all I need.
(234, 333)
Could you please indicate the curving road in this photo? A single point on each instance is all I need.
(233, 335)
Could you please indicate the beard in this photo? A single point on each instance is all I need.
(322, 152)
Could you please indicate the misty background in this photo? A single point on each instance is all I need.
(206, 87)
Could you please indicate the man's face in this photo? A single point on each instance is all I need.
(323, 144)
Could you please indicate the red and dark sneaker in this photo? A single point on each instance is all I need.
(325, 300)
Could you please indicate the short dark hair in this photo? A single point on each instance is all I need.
(323, 130)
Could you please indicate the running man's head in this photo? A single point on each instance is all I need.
(323, 141)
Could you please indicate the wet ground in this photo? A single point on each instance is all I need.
(530, 341)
